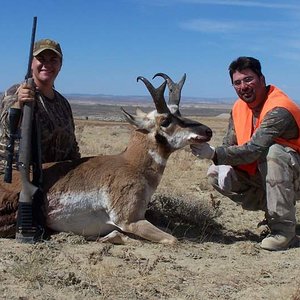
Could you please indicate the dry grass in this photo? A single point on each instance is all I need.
(93, 140)
(297, 295)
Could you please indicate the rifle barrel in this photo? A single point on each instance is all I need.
(28, 74)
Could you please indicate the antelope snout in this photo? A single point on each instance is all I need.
(208, 133)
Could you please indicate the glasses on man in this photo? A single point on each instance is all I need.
(247, 80)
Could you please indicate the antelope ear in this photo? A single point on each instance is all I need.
(140, 113)
(174, 109)
(138, 121)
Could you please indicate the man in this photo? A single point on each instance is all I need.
(258, 164)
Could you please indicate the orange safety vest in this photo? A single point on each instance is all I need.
(243, 121)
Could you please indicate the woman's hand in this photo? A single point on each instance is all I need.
(26, 92)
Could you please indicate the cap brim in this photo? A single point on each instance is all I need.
(37, 52)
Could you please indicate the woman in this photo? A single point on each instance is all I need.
(56, 124)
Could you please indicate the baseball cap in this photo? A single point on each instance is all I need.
(46, 44)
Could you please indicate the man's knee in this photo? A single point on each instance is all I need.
(244, 191)
(282, 166)
(279, 155)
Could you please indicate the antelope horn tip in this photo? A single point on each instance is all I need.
(139, 78)
(163, 75)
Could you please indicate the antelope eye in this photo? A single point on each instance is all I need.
(166, 122)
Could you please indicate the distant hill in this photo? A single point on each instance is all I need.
(134, 100)
(108, 107)
(140, 100)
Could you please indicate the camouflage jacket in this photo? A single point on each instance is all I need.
(278, 122)
(58, 140)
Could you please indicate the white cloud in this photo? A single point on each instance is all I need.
(263, 4)
(208, 26)
(294, 56)
(217, 26)
(294, 43)
(288, 5)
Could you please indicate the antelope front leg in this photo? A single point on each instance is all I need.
(146, 230)
(115, 237)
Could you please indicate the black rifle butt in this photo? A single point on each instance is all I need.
(28, 231)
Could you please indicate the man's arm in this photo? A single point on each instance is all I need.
(279, 122)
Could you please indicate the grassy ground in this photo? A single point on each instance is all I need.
(217, 257)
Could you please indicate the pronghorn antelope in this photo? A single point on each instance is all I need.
(106, 197)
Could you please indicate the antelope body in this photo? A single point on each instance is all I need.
(106, 196)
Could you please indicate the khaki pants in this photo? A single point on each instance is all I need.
(274, 189)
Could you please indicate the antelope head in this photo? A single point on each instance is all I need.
(166, 124)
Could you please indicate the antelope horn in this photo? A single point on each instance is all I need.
(157, 95)
(174, 88)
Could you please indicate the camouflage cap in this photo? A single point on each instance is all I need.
(46, 44)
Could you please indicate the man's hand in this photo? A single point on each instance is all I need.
(203, 150)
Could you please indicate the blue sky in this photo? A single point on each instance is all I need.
(108, 43)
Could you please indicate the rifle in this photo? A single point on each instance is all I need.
(26, 229)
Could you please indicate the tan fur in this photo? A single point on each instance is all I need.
(103, 196)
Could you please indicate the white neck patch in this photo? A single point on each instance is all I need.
(157, 158)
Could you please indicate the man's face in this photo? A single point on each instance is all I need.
(249, 86)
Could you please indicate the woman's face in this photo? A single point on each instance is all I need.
(45, 67)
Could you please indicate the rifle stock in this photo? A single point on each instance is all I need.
(28, 189)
